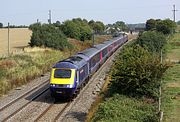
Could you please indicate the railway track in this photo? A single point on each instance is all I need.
(22, 96)
(58, 110)
(66, 116)
(67, 106)
(35, 89)
(51, 108)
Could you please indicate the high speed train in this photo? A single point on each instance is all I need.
(69, 76)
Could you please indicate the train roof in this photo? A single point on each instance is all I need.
(74, 62)
(65, 65)
(101, 46)
(86, 58)
(89, 52)
(117, 38)
(108, 42)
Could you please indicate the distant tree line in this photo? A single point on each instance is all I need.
(55, 35)
(17, 26)
(13, 26)
(1, 25)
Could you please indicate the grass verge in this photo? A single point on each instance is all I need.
(121, 108)
(171, 89)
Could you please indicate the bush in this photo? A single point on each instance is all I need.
(121, 108)
(152, 41)
(136, 72)
(48, 36)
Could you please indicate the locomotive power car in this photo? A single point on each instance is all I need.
(69, 75)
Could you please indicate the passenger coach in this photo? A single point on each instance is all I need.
(69, 75)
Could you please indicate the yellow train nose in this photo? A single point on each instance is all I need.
(62, 76)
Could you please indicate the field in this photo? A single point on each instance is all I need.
(19, 38)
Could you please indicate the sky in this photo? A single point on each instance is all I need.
(26, 12)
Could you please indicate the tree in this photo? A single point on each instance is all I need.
(85, 20)
(152, 41)
(35, 27)
(166, 26)
(77, 28)
(48, 36)
(57, 24)
(97, 26)
(121, 25)
(70, 29)
(1, 25)
(151, 24)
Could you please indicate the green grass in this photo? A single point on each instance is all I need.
(171, 89)
(171, 94)
(120, 108)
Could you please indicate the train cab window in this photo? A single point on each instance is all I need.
(62, 73)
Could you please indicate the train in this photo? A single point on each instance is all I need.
(70, 75)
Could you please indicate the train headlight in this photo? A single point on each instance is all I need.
(69, 86)
(53, 85)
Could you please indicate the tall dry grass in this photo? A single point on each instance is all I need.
(19, 69)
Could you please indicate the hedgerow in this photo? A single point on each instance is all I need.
(136, 72)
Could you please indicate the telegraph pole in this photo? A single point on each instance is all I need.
(93, 38)
(49, 20)
(8, 41)
(174, 13)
